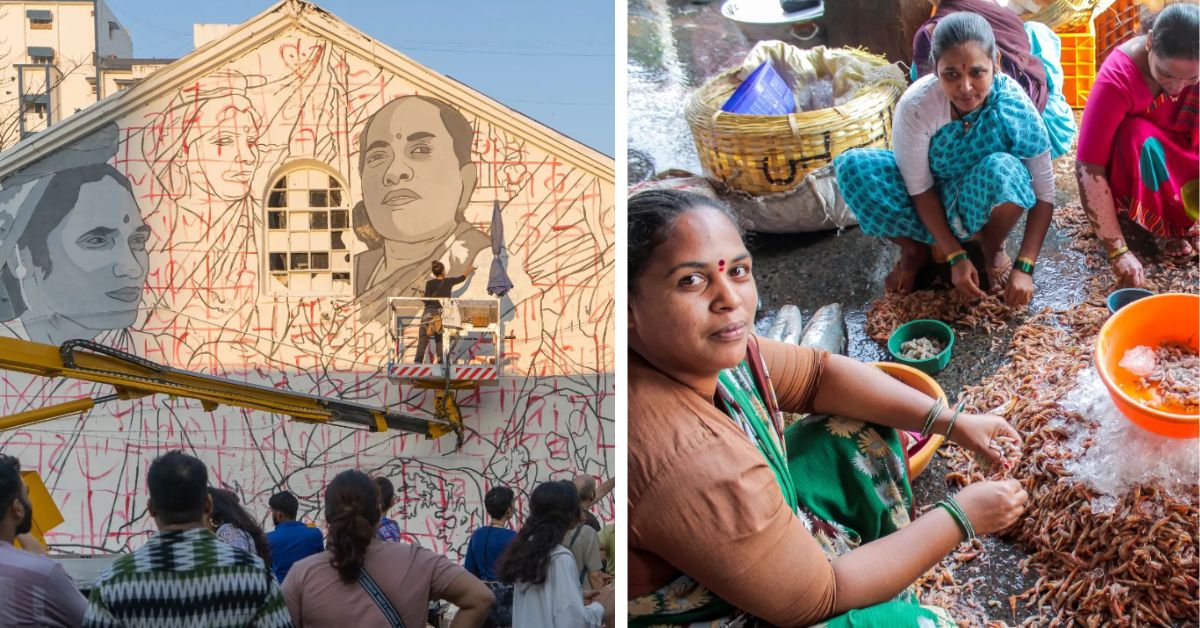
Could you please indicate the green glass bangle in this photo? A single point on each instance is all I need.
(960, 518)
(966, 520)
(1024, 265)
(955, 258)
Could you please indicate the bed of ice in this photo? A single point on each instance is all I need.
(1122, 453)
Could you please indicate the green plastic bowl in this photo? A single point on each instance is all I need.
(925, 328)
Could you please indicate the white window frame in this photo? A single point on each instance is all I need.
(285, 210)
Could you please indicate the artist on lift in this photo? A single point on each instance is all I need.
(431, 319)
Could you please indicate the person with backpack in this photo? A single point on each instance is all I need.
(485, 547)
(584, 543)
(546, 592)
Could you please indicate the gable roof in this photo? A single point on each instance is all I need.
(277, 19)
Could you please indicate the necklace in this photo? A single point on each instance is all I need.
(961, 116)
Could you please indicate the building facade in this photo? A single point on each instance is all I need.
(250, 209)
(50, 48)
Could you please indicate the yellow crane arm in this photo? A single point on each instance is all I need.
(132, 376)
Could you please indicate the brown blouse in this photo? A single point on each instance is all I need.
(704, 502)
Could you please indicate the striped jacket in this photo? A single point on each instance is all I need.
(187, 578)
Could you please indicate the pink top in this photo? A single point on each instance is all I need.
(410, 576)
(36, 591)
(1120, 91)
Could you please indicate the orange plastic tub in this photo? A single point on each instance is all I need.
(919, 459)
(1150, 321)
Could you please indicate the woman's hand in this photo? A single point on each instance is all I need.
(1129, 271)
(608, 599)
(974, 432)
(966, 279)
(1019, 291)
(992, 505)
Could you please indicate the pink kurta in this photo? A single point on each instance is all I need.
(1147, 142)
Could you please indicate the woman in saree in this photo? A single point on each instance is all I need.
(1030, 53)
(734, 521)
(971, 156)
(1138, 142)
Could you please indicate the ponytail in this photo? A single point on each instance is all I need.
(352, 512)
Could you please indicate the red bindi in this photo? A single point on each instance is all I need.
(721, 266)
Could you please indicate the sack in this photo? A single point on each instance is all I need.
(452, 317)
(501, 614)
(815, 205)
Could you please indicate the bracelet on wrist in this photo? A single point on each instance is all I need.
(956, 257)
(1117, 252)
(953, 418)
(938, 405)
(1025, 265)
(960, 517)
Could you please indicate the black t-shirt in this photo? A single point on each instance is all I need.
(441, 288)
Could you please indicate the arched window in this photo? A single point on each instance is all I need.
(309, 236)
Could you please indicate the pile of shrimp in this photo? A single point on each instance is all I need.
(1135, 565)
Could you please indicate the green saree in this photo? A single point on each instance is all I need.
(847, 482)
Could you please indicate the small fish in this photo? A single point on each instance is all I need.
(787, 325)
(826, 330)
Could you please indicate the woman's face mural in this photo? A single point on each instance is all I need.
(221, 147)
(414, 186)
(97, 261)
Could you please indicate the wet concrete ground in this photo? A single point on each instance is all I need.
(673, 48)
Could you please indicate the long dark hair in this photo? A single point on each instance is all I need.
(226, 509)
(352, 512)
(553, 509)
(387, 492)
(651, 216)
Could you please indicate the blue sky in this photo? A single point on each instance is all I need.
(551, 60)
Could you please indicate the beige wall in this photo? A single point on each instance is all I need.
(114, 79)
(73, 37)
(204, 33)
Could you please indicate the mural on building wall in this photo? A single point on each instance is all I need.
(74, 263)
(270, 209)
(417, 180)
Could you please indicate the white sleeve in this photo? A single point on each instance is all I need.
(910, 139)
(1042, 171)
(562, 585)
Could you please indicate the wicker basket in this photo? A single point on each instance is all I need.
(1063, 15)
(772, 154)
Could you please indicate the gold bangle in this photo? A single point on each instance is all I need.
(1118, 253)
(956, 257)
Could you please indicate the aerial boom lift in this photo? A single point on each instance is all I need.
(132, 377)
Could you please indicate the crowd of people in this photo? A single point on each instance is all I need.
(211, 564)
